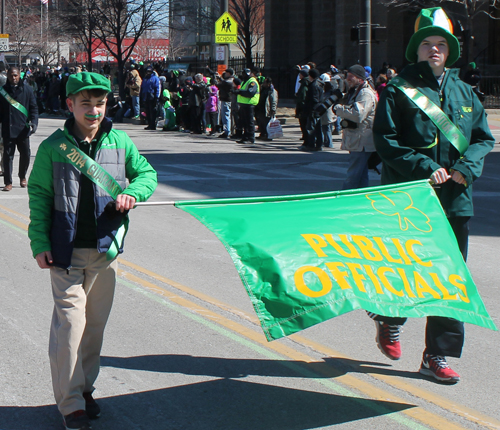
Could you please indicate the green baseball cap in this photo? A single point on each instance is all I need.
(87, 81)
(433, 22)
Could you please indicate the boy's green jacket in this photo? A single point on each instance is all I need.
(412, 147)
(54, 192)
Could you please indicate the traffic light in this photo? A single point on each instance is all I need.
(379, 34)
(354, 34)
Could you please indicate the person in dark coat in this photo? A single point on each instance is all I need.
(300, 99)
(19, 117)
(412, 147)
(225, 86)
(312, 140)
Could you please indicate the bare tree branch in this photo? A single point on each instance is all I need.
(249, 15)
(22, 26)
(113, 21)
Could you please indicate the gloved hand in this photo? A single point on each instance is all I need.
(33, 128)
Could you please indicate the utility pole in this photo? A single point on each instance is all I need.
(365, 33)
(3, 17)
(225, 8)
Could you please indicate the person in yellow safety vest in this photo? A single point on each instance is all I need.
(248, 97)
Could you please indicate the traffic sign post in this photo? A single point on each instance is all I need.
(219, 53)
(4, 43)
(226, 29)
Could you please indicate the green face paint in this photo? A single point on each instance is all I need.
(93, 116)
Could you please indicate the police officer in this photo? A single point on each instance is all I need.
(248, 98)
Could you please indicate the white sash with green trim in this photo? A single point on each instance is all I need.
(98, 175)
(434, 112)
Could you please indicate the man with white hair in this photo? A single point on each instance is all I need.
(357, 112)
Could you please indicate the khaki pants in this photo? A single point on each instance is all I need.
(82, 303)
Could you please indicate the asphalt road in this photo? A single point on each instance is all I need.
(183, 349)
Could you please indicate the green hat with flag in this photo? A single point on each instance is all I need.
(433, 22)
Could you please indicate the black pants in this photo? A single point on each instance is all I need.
(313, 137)
(212, 116)
(197, 113)
(262, 121)
(246, 113)
(9, 149)
(151, 113)
(303, 126)
(443, 336)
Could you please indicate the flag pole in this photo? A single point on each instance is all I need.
(171, 203)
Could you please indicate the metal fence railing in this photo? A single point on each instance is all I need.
(240, 63)
(490, 87)
(196, 65)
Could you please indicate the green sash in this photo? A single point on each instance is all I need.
(14, 103)
(434, 112)
(98, 175)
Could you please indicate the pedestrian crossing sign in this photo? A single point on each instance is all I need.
(226, 29)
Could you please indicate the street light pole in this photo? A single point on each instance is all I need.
(365, 33)
(225, 8)
(3, 17)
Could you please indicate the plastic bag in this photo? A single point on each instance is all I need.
(274, 129)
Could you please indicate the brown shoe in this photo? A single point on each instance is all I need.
(7, 188)
(24, 183)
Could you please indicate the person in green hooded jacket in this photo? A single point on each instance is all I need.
(412, 147)
(85, 179)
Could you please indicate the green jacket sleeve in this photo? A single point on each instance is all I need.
(41, 201)
(481, 142)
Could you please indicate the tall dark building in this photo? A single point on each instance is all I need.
(299, 31)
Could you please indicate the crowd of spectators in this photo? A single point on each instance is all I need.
(207, 102)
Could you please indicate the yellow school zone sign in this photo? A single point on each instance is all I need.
(226, 29)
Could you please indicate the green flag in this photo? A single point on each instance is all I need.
(304, 259)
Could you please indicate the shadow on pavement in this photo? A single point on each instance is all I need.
(213, 405)
(240, 368)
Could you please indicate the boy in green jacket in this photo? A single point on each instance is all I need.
(413, 147)
(75, 235)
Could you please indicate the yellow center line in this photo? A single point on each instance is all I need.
(13, 221)
(19, 215)
(454, 407)
(460, 410)
(371, 391)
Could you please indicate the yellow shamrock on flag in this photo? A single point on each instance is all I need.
(402, 208)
